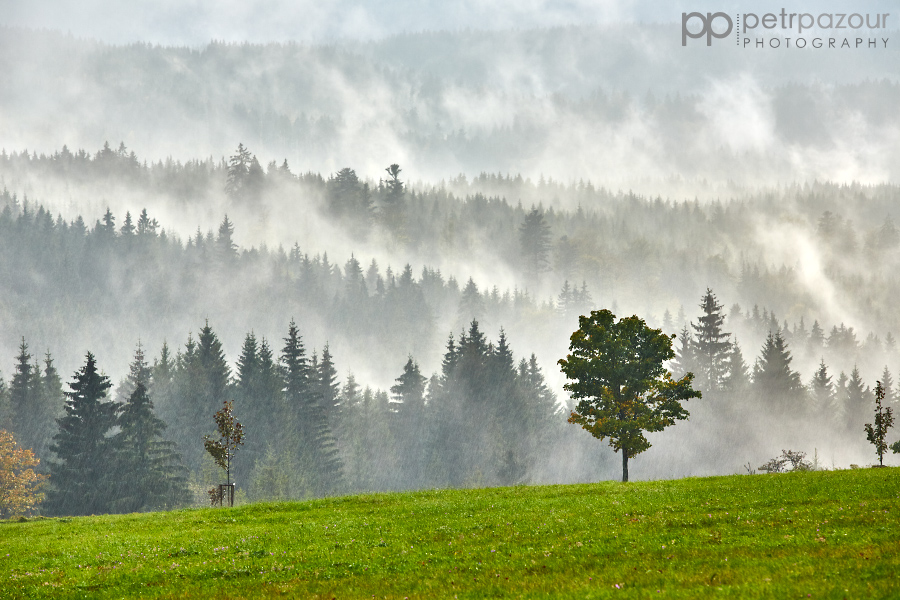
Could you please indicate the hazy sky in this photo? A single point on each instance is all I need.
(195, 22)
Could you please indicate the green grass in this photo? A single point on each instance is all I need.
(822, 535)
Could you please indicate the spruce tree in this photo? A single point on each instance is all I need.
(309, 433)
(214, 369)
(822, 391)
(509, 410)
(408, 423)
(247, 369)
(668, 325)
(816, 339)
(353, 446)
(162, 376)
(838, 409)
(857, 402)
(534, 244)
(226, 249)
(139, 371)
(685, 354)
(200, 386)
(711, 344)
(737, 378)
(325, 456)
(238, 173)
(448, 363)
(393, 201)
(887, 383)
(24, 393)
(81, 481)
(329, 388)
(471, 304)
(258, 403)
(774, 379)
(149, 473)
(49, 407)
(537, 424)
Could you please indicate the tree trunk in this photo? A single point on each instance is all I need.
(624, 465)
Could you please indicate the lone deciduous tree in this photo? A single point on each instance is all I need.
(616, 371)
(19, 484)
(884, 420)
(223, 450)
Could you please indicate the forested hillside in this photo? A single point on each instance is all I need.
(378, 248)
(412, 375)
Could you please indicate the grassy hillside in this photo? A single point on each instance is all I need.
(821, 535)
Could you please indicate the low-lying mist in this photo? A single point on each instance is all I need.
(380, 276)
(399, 195)
(609, 104)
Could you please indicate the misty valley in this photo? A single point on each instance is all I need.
(352, 375)
(449, 299)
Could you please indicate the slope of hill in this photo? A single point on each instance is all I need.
(815, 534)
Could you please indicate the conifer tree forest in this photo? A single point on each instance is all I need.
(394, 319)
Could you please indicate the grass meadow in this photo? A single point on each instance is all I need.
(826, 534)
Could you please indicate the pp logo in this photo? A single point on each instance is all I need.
(707, 28)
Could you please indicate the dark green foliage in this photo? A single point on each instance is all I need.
(616, 373)
(884, 420)
(224, 446)
(200, 384)
(321, 450)
(24, 390)
(258, 402)
(35, 401)
(82, 483)
(488, 422)
(312, 440)
(408, 425)
(328, 387)
(148, 471)
(87, 271)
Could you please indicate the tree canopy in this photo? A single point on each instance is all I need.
(616, 372)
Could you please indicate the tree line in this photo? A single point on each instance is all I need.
(841, 405)
(546, 231)
(484, 419)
